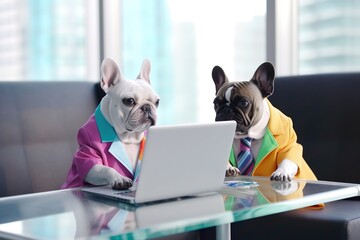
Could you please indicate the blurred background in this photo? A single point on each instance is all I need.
(66, 40)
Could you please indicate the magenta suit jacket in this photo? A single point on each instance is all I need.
(98, 144)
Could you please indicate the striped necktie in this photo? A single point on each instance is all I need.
(245, 159)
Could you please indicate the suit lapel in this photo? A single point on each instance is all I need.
(274, 128)
(268, 144)
(118, 151)
(108, 134)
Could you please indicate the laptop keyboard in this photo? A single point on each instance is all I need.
(129, 193)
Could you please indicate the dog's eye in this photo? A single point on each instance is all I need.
(157, 102)
(243, 104)
(216, 103)
(129, 101)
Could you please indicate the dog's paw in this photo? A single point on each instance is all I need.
(118, 181)
(280, 175)
(121, 183)
(231, 171)
(102, 175)
(285, 172)
(285, 188)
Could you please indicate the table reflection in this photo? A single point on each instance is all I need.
(69, 214)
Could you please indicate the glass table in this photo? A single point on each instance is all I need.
(72, 214)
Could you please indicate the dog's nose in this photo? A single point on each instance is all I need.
(146, 108)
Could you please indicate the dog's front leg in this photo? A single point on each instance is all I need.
(286, 171)
(231, 171)
(103, 175)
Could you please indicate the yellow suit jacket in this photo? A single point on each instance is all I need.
(279, 143)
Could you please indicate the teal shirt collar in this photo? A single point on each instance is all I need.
(107, 132)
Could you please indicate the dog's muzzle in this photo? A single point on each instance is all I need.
(225, 114)
(141, 118)
(146, 108)
(228, 114)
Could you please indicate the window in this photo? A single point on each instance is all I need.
(67, 39)
(184, 40)
(46, 40)
(329, 36)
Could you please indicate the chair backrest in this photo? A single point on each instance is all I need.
(38, 129)
(325, 112)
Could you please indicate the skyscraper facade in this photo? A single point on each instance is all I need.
(329, 36)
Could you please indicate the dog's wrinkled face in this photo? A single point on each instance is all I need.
(242, 101)
(132, 104)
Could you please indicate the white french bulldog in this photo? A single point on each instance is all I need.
(246, 103)
(128, 109)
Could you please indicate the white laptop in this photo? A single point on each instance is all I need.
(178, 161)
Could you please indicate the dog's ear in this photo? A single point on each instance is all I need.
(219, 77)
(264, 78)
(145, 71)
(110, 74)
